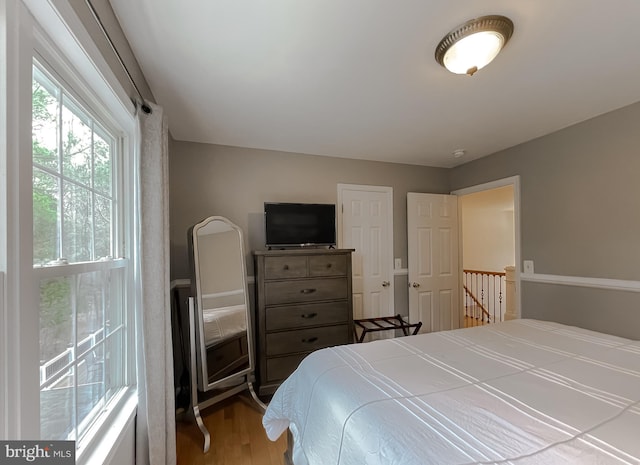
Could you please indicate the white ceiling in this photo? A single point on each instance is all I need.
(358, 78)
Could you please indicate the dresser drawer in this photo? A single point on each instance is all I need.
(285, 267)
(306, 340)
(279, 368)
(298, 316)
(305, 290)
(303, 303)
(328, 265)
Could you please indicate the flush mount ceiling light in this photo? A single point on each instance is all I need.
(474, 44)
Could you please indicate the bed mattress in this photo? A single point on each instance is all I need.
(518, 392)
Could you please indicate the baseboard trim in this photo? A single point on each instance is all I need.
(597, 283)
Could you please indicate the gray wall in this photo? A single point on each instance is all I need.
(580, 214)
(235, 182)
(604, 310)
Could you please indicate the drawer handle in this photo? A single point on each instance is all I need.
(309, 315)
(307, 291)
(328, 265)
(286, 267)
(310, 340)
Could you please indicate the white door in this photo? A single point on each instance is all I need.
(432, 228)
(366, 225)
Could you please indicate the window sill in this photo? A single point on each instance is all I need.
(107, 440)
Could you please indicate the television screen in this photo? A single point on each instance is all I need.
(298, 224)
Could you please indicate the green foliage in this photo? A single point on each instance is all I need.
(82, 162)
(70, 160)
(41, 101)
(44, 224)
(56, 324)
(54, 296)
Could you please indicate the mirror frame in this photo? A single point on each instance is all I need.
(201, 350)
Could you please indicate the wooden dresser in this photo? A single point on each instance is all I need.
(304, 303)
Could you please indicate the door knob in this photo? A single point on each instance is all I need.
(416, 284)
(385, 283)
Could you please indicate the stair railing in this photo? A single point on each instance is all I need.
(483, 296)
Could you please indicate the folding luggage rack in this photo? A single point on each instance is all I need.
(370, 325)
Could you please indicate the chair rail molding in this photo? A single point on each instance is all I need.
(580, 281)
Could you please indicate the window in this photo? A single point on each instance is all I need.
(68, 287)
(73, 194)
(83, 324)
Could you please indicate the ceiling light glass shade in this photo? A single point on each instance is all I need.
(474, 45)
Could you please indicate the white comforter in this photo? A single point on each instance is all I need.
(222, 323)
(519, 392)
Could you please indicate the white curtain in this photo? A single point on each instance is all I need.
(155, 424)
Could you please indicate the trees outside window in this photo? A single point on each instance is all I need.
(83, 330)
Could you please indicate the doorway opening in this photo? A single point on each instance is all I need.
(489, 252)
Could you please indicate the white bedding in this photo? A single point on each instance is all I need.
(519, 392)
(221, 323)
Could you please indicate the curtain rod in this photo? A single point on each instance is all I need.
(146, 108)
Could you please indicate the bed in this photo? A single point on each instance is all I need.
(518, 392)
(223, 323)
(225, 336)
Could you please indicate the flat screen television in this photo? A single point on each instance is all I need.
(299, 224)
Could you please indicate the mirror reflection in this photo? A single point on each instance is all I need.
(222, 332)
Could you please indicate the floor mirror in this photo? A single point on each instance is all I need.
(221, 338)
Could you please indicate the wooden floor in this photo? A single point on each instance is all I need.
(469, 322)
(237, 437)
